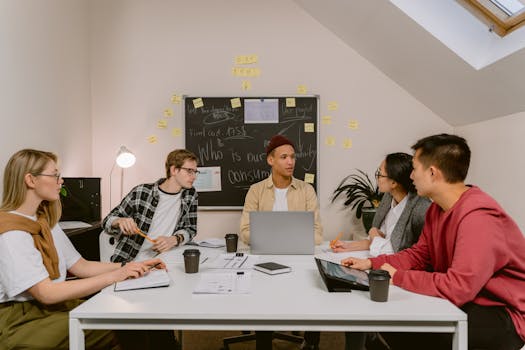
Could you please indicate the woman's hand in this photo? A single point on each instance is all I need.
(135, 269)
(374, 232)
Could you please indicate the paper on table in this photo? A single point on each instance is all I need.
(210, 243)
(154, 278)
(65, 225)
(235, 261)
(329, 255)
(224, 283)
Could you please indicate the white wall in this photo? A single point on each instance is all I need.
(44, 84)
(142, 52)
(498, 164)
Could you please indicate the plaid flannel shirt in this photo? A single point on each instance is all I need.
(140, 205)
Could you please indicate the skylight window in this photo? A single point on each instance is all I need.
(502, 16)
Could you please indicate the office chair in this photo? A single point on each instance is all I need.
(106, 246)
(248, 336)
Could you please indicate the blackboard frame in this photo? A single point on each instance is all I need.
(187, 103)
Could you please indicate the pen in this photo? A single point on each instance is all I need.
(332, 242)
(144, 235)
(154, 266)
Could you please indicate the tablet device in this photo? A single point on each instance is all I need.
(339, 278)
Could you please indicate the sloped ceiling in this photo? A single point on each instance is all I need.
(421, 64)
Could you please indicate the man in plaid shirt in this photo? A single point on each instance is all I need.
(166, 211)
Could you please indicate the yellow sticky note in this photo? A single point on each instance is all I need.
(290, 102)
(152, 139)
(309, 127)
(347, 143)
(246, 85)
(177, 99)
(330, 141)
(198, 103)
(162, 124)
(326, 119)
(301, 89)
(236, 102)
(241, 59)
(252, 59)
(353, 124)
(309, 178)
(175, 132)
(333, 106)
(168, 112)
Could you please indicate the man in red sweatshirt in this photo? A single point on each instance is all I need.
(470, 251)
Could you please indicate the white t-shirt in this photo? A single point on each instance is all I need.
(382, 245)
(280, 203)
(22, 266)
(163, 223)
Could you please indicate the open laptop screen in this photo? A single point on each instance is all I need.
(282, 232)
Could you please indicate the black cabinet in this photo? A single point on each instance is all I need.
(86, 241)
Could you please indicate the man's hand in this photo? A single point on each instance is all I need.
(126, 225)
(391, 270)
(360, 264)
(163, 243)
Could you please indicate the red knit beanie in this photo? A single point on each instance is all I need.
(276, 141)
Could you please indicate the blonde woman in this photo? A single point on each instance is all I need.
(36, 255)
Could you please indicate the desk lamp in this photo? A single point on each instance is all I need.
(125, 159)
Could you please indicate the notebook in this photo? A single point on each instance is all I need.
(282, 232)
(153, 279)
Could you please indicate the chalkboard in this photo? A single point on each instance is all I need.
(218, 134)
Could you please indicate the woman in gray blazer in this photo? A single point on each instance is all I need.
(400, 216)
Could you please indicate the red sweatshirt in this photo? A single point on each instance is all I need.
(472, 252)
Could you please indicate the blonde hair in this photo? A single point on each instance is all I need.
(23, 162)
(177, 158)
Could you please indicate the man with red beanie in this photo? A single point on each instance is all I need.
(280, 191)
(470, 252)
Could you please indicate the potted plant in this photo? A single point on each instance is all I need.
(361, 194)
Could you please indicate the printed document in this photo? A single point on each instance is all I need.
(224, 283)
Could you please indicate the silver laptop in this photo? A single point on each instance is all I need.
(282, 232)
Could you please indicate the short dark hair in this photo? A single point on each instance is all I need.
(449, 153)
(398, 167)
(177, 158)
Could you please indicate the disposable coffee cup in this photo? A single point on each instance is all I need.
(191, 260)
(231, 242)
(379, 280)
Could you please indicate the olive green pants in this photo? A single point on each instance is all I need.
(31, 325)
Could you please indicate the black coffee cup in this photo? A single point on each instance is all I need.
(379, 281)
(191, 260)
(231, 242)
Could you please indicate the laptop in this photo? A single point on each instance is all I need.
(282, 232)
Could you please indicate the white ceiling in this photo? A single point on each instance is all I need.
(423, 65)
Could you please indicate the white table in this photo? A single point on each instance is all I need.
(292, 301)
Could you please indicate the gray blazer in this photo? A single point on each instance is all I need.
(408, 227)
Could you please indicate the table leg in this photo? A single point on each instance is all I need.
(263, 340)
(460, 339)
(76, 335)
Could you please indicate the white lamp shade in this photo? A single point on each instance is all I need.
(125, 158)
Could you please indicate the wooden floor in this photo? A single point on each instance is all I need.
(204, 340)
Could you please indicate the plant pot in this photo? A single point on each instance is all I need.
(368, 217)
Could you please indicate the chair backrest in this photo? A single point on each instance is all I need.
(106, 246)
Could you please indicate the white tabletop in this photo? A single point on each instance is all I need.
(297, 300)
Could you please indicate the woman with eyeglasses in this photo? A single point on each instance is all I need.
(36, 255)
(400, 216)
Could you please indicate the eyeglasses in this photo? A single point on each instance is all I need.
(192, 172)
(378, 174)
(57, 175)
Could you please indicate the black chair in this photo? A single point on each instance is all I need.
(263, 338)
